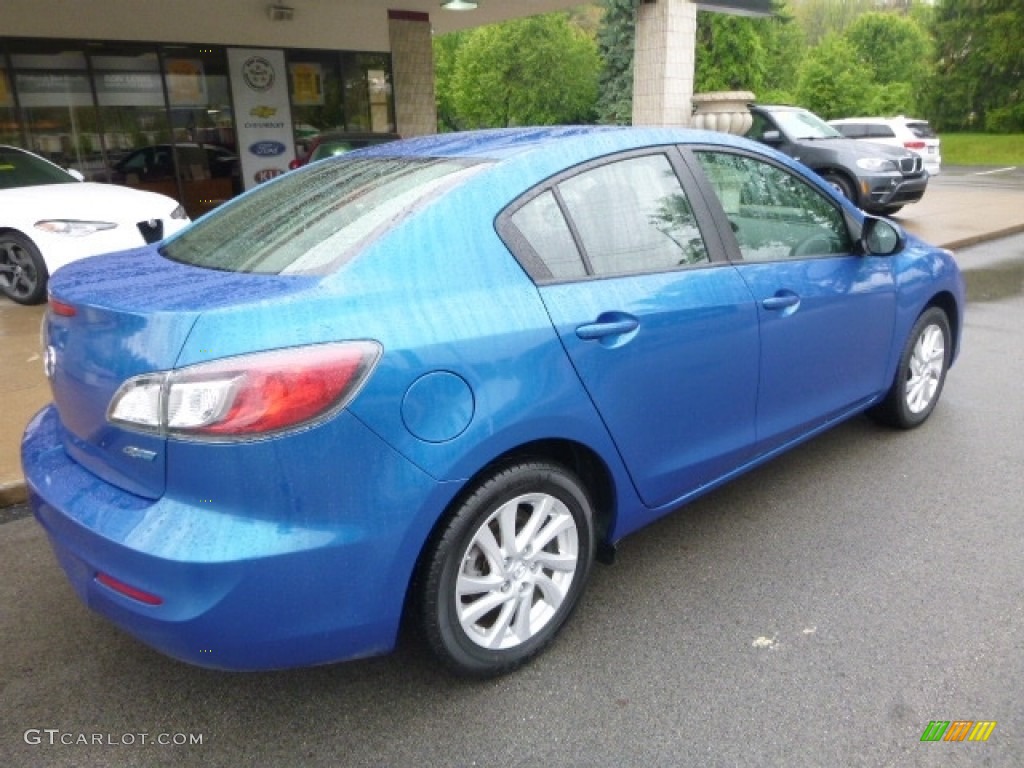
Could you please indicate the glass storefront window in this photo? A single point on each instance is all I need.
(160, 116)
(130, 98)
(202, 126)
(318, 103)
(368, 92)
(333, 91)
(54, 91)
(9, 130)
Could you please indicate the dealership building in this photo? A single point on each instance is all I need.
(202, 100)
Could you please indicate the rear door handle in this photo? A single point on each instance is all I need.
(603, 328)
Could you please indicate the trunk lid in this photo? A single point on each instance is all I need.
(133, 313)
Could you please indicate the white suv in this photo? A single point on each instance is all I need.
(896, 131)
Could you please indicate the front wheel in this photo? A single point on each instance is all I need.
(508, 569)
(23, 272)
(842, 185)
(921, 373)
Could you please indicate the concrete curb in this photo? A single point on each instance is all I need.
(13, 493)
(966, 242)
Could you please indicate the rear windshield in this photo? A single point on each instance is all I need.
(922, 130)
(311, 220)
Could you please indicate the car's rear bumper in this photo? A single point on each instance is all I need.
(236, 592)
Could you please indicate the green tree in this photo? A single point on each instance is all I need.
(730, 53)
(745, 53)
(615, 43)
(978, 80)
(833, 82)
(539, 70)
(446, 52)
(898, 52)
(820, 18)
(785, 47)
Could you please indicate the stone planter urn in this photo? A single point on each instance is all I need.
(724, 111)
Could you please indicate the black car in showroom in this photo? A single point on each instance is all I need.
(878, 179)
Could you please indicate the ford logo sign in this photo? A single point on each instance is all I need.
(267, 148)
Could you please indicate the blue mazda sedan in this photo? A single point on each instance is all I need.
(434, 380)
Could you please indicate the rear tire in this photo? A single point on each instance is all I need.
(921, 374)
(505, 573)
(23, 274)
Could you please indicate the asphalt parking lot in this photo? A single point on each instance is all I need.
(820, 611)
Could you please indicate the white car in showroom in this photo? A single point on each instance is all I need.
(49, 217)
(908, 132)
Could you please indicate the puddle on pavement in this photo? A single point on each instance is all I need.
(999, 281)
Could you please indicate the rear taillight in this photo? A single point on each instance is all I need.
(914, 144)
(246, 396)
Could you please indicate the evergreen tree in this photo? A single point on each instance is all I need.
(615, 43)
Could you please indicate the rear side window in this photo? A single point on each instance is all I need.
(880, 132)
(542, 224)
(313, 219)
(852, 130)
(633, 216)
(621, 217)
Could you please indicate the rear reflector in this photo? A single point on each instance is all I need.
(914, 144)
(128, 590)
(62, 309)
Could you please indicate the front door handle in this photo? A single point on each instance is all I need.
(781, 302)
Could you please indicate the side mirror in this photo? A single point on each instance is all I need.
(881, 237)
(771, 137)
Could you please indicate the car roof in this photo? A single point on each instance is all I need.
(879, 120)
(360, 135)
(505, 143)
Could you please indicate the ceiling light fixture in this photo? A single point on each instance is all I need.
(459, 5)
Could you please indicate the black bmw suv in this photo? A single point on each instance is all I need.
(877, 178)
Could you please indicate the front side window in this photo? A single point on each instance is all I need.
(307, 221)
(633, 216)
(773, 213)
(759, 126)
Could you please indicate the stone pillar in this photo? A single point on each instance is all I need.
(412, 73)
(663, 63)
